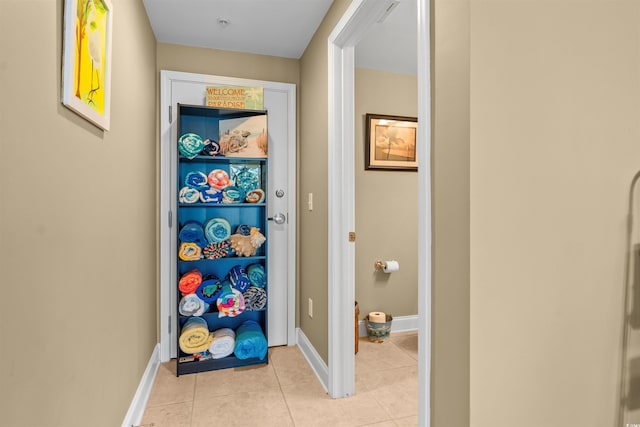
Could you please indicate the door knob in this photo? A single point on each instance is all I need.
(278, 218)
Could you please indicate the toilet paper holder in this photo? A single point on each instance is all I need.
(380, 265)
(386, 266)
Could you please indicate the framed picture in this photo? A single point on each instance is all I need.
(390, 142)
(86, 59)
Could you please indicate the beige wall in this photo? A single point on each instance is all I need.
(312, 178)
(77, 226)
(450, 210)
(386, 203)
(225, 63)
(555, 143)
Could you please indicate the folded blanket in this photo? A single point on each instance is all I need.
(192, 305)
(256, 275)
(189, 252)
(197, 180)
(190, 281)
(190, 145)
(210, 195)
(209, 290)
(224, 341)
(217, 230)
(192, 232)
(195, 337)
(255, 299)
(189, 195)
(230, 302)
(239, 278)
(250, 341)
(216, 250)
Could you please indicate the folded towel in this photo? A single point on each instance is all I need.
(195, 336)
(216, 250)
(189, 195)
(224, 341)
(210, 195)
(197, 180)
(209, 290)
(250, 341)
(190, 281)
(192, 305)
(217, 230)
(211, 147)
(239, 279)
(230, 302)
(219, 179)
(255, 299)
(189, 252)
(190, 145)
(192, 232)
(256, 275)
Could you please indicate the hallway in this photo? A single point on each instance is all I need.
(286, 392)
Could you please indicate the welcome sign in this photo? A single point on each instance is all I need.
(238, 97)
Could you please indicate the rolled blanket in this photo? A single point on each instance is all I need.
(192, 305)
(189, 195)
(190, 281)
(211, 147)
(217, 229)
(190, 145)
(230, 302)
(216, 250)
(233, 194)
(224, 341)
(210, 195)
(255, 299)
(256, 275)
(197, 180)
(192, 232)
(189, 252)
(250, 341)
(219, 179)
(239, 279)
(195, 336)
(209, 290)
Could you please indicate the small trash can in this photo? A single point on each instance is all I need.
(378, 332)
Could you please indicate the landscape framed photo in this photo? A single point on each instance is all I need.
(390, 142)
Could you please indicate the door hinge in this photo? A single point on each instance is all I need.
(170, 219)
(170, 113)
(352, 236)
(169, 324)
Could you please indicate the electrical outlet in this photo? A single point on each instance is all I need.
(310, 308)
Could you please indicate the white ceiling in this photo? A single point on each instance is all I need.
(280, 28)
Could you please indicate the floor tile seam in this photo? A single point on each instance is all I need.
(227, 393)
(156, 405)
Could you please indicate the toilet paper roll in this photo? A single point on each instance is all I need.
(391, 266)
(377, 317)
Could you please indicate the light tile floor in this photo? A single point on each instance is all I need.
(286, 392)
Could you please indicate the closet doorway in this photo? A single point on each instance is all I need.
(280, 101)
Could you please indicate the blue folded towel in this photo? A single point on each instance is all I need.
(192, 232)
(209, 290)
(256, 275)
(250, 341)
(196, 180)
(239, 279)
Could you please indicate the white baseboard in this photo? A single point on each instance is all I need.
(313, 358)
(139, 402)
(399, 324)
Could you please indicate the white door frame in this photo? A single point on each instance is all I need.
(167, 205)
(347, 33)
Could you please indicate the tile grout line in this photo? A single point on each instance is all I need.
(284, 397)
(193, 400)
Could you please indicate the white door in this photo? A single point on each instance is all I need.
(279, 101)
